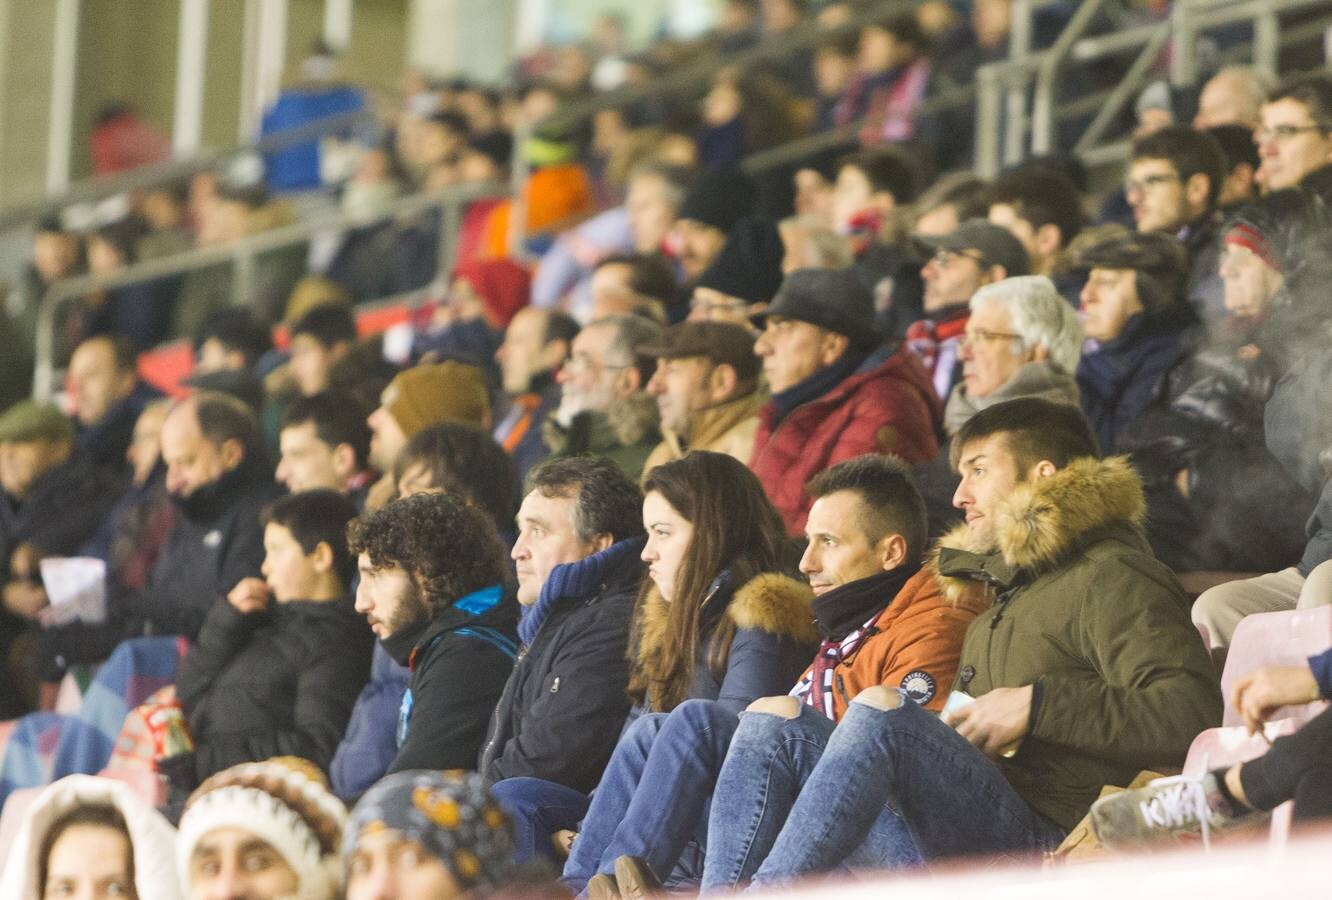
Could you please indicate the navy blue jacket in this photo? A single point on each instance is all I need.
(1119, 378)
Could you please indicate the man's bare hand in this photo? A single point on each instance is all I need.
(1261, 693)
(250, 595)
(995, 722)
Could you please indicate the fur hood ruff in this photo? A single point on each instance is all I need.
(771, 602)
(1044, 520)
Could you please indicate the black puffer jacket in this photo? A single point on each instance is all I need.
(459, 663)
(566, 700)
(211, 547)
(276, 683)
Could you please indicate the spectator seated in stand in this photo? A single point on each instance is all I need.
(108, 398)
(52, 499)
(1294, 135)
(279, 660)
(836, 392)
(605, 408)
(743, 278)
(535, 347)
(325, 444)
(432, 587)
(719, 622)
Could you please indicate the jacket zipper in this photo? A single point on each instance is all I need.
(487, 755)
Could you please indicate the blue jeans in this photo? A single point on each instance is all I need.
(884, 789)
(538, 809)
(675, 758)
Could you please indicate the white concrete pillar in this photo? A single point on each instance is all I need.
(60, 125)
(191, 46)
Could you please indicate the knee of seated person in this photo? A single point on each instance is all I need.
(880, 697)
(784, 707)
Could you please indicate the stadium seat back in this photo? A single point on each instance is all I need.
(1275, 639)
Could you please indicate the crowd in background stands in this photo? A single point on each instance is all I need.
(906, 463)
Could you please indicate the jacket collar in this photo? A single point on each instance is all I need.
(1043, 522)
(490, 606)
(709, 425)
(580, 580)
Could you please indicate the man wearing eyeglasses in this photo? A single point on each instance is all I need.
(1295, 136)
(605, 408)
(975, 254)
(1173, 184)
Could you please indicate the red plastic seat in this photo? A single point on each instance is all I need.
(1218, 748)
(1275, 639)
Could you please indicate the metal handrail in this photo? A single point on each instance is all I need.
(158, 173)
(242, 252)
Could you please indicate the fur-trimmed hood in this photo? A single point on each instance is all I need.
(774, 603)
(1043, 521)
(635, 418)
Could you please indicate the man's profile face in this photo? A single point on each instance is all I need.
(97, 383)
(839, 550)
(191, 459)
(989, 474)
(306, 462)
(388, 597)
(681, 388)
(546, 539)
(231, 863)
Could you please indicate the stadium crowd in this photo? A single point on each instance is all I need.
(735, 529)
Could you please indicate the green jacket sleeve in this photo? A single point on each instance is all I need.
(1149, 686)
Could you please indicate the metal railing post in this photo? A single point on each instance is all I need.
(1051, 62)
(1019, 75)
(1183, 55)
(1266, 42)
(988, 107)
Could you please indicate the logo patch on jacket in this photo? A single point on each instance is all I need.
(213, 539)
(919, 686)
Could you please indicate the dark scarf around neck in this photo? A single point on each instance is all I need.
(846, 608)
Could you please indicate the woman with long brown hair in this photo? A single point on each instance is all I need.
(719, 624)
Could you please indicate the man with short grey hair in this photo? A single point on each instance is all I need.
(1022, 339)
(605, 408)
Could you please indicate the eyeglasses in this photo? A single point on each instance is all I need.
(981, 336)
(944, 258)
(582, 363)
(1147, 183)
(1286, 132)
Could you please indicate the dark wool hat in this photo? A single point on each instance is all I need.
(28, 420)
(719, 199)
(750, 265)
(725, 343)
(834, 299)
(1160, 261)
(996, 245)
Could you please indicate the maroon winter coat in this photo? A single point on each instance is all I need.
(885, 408)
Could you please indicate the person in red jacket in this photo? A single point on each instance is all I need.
(836, 392)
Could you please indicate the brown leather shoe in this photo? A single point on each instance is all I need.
(603, 887)
(636, 879)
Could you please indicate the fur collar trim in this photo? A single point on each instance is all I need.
(771, 602)
(634, 419)
(1043, 521)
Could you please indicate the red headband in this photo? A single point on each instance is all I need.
(1252, 239)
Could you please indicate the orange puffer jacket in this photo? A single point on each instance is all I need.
(915, 646)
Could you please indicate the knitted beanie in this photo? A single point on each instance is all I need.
(750, 264)
(450, 391)
(284, 802)
(450, 814)
(719, 199)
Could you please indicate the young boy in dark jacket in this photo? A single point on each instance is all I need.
(279, 661)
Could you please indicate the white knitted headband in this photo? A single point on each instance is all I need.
(267, 818)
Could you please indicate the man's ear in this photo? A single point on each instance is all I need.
(722, 382)
(834, 346)
(1043, 469)
(322, 558)
(233, 453)
(629, 381)
(993, 274)
(601, 542)
(892, 552)
(344, 461)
